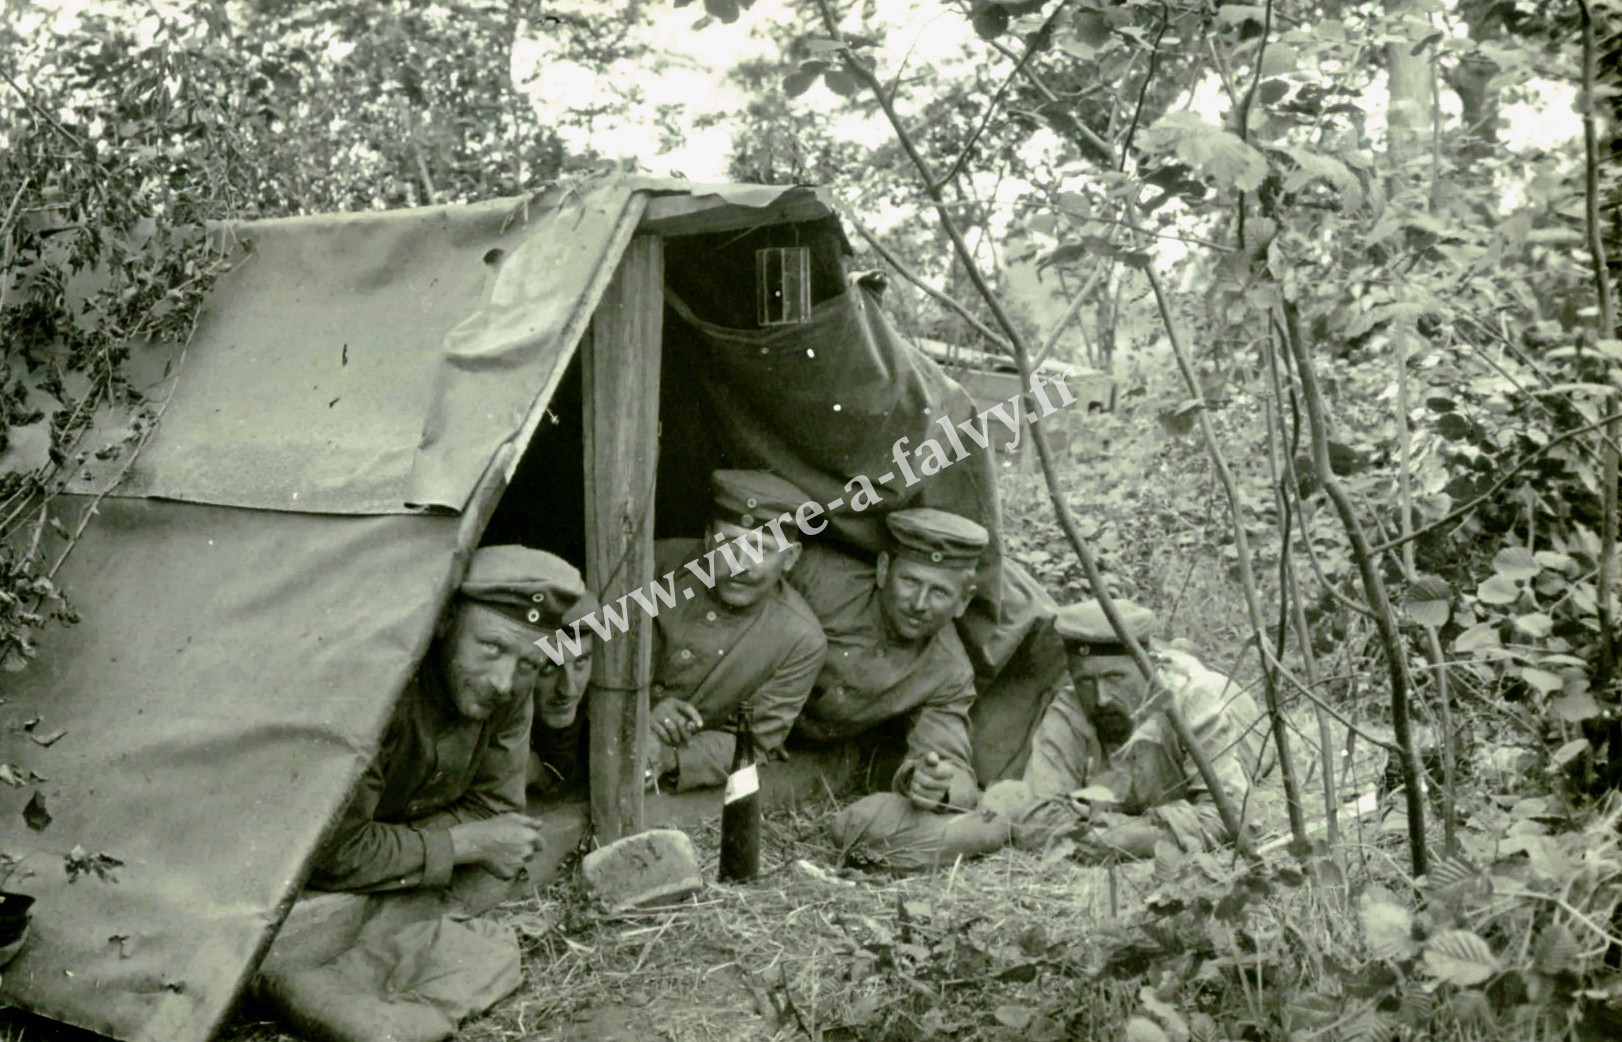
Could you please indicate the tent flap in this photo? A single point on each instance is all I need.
(228, 680)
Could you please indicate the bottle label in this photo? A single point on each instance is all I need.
(742, 783)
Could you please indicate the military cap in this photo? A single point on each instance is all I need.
(1086, 630)
(751, 498)
(936, 537)
(528, 586)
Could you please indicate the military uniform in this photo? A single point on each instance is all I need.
(435, 768)
(1150, 773)
(868, 677)
(715, 657)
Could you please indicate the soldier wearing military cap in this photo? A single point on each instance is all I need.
(893, 651)
(1105, 731)
(557, 760)
(446, 788)
(747, 640)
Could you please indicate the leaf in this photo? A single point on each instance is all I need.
(821, 45)
(1541, 679)
(1387, 926)
(48, 740)
(1093, 29)
(1483, 636)
(1312, 166)
(1142, 1029)
(841, 82)
(1555, 562)
(1171, 1021)
(1016, 1017)
(725, 11)
(797, 83)
(1429, 601)
(1516, 562)
(1569, 752)
(1534, 624)
(1499, 589)
(1235, 14)
(1556, 950)
(1460, 957)
(1272, 92)
(35, 814)
(1574, 709)
(1214, 152)
(990, 21)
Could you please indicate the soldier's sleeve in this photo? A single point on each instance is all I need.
(774, 707)
(364, 855)
(1064, 747)
(497, 786)
(941, 726)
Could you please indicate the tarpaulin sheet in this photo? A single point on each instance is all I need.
(228, 680)
(828, 401)
(359, 363)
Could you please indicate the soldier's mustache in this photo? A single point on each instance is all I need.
(1113, 724)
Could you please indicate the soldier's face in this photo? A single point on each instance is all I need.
(488, 660)
(756, 578)
(918, 599)
(559, 689)
(1112, 691)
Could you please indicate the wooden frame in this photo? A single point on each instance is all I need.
(620, 370)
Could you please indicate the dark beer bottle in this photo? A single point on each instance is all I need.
(740, 807)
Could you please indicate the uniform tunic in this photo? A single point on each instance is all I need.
(1151, 773)
(867, 677)
(434, 769)
(715, 657)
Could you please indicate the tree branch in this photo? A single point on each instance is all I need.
(911, 276)
(1044, 452)
(1396, 653)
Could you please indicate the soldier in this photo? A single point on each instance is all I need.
(557, 757)
(446, 788)
(748, 639)
(893, 651)
(1105, 764)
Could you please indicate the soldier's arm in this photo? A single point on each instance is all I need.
(362, 854)
(774, 706)
(941, 726)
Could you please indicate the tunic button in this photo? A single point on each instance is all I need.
(709, 616)
(686, 653)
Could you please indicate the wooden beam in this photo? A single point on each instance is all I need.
(621, 372)
(672, 215)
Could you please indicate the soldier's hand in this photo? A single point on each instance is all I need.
(673, 722)
(931, 782)
(501, 844)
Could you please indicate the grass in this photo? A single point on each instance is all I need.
(809, 951)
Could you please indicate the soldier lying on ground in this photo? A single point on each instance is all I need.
(1105, 765)
(749, 638)
(893, 651)
(446, 788)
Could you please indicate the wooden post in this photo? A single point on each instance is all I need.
(620, 368)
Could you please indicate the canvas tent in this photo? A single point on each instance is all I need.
(365, 399)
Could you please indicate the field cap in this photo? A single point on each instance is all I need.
(750, 498)
(1086, 631)
(528, 586)
(936, 537)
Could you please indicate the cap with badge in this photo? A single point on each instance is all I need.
(529, 586)
(1085, 628)
(936, 537)
(750, 498)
